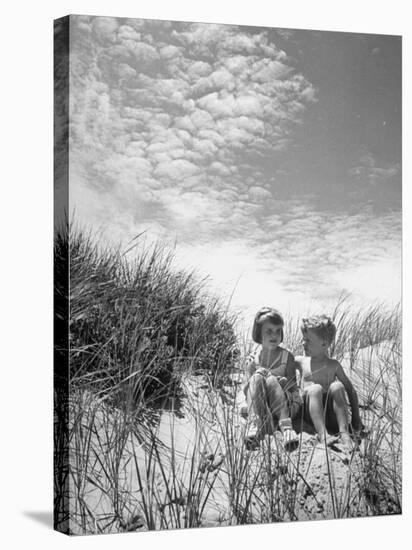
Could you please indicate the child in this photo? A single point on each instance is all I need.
(270, 382)
(325, 384)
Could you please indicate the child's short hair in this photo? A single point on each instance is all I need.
(266, 314)
(322, 325)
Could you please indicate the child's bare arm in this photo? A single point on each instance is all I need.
(352, 396)
(292, 384)
(290, 373)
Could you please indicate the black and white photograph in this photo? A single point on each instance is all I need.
(227, 263)
(205, 254)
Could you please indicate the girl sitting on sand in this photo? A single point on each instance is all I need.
(270, 382)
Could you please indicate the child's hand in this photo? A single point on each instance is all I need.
(262, 371)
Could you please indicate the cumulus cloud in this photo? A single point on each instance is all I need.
(300, 257)
(169, 125)
(372, 172)
(286, 34)
(258, 194)
(176, 105)
(312, 247)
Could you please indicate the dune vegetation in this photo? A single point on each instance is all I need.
(151, 437)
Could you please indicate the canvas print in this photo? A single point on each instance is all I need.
(227, 256)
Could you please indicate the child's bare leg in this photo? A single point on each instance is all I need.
(256, 395)
(257, 404)
(337, 394)
(315, 405)
(278, 407)
(276, 400)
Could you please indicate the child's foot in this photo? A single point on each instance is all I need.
(346, 441)
(290, 438)
(252, 435)
(326, 440)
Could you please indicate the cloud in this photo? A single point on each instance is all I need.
(259, 194)
(386, 284)
(371, 171)
(104, 28)
(286, 34)
(328, 244)
(301, 257)
(176, 169)
(160, 109)
(171, 127)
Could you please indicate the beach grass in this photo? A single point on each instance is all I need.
(152, 426)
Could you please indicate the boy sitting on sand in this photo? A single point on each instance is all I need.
(325, 384)
(270, 382)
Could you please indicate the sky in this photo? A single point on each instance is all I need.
(270, 158)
